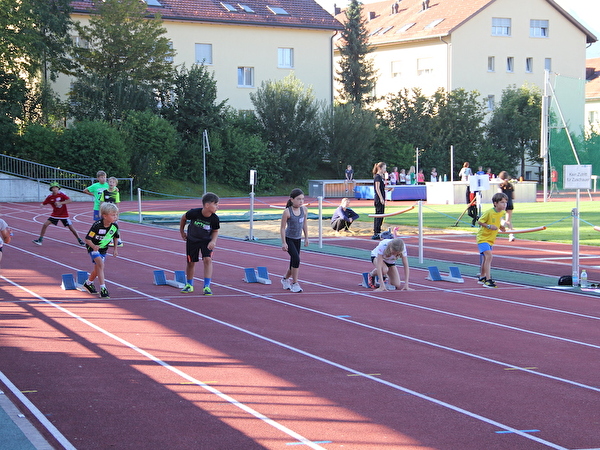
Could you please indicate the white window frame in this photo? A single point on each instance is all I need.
(491, 64)
(491, 102)
(245, 77)
(285, 58)
(529, 64)
(425, 66)
(501, 26)
(539, 28)
(510, 64)
(203, 54)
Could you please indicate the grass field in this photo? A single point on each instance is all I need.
(556, 216)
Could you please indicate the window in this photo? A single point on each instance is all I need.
(528, 65)
(406, 27)
(510, 64)
(204, 54)
(433, 24)
(170, 58)
(593, 117)
(538, 28)
(548, 64)
(228, 7)
(491, 102)
(79, 42)
(491, 63)
(278, 11)
(246, 76)
(285, 58)
(500, 26)
(153, 3)
(396, 69)
(246, 8)
(424, 66)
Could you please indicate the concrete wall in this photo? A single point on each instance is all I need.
(14, 189)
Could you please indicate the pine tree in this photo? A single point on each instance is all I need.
(356, 73)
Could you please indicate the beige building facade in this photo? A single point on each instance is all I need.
(481, 45)
(245, 44)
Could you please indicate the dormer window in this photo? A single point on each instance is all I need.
(153, 3)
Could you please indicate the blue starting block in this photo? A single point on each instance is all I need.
(160, 279)
(454, 276)
(69, 283)
(365, 282)
(258, 275)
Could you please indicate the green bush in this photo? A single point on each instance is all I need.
(39, 143)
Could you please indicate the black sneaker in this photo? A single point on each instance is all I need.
(481, 280)
(90, 287)
(372, 283)
(376, 237)
(489, 284)
(104, 293)
(81, 242)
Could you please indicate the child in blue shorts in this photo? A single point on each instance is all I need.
(490, 223)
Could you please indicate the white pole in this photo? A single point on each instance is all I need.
(320, 221)
(417, 162)
(420, 232)
(251, 235)
(575, 250)
(452, 163)
(139, 192)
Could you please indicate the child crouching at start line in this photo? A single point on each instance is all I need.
(384, 258)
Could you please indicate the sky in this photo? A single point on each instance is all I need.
(580, 9)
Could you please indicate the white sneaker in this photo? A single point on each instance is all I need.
(511, 237)
(285, 283)
(295, 287)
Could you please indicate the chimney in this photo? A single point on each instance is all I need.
(372, 15)
(336, 10)
(425, 4)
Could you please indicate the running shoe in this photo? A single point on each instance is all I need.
(286, 284)
(188, 288)
(376, 237)
(104, 293)
(37, 241)
(81, 242)
(120, 244)
(372, 283)
(511, 237)
(295, 287)
(206, 290)
(481, 280)
(90, 288)
(489, 284)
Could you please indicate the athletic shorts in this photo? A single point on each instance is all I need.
(386, 263)
(195, 248)
(65, 222)
(96, 214)
(484, 247)
(94, 255)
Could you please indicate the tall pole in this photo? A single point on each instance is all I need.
(205, 148)
(452, 163)
(544, 131)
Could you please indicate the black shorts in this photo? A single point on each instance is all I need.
(54, 221)
(386, 263)
(193, 249)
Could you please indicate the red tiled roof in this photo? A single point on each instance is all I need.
(452, 12)
(592, 87)
(302, 13)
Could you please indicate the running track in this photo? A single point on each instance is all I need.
(445, 366)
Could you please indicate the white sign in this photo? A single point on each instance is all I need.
(252, 177)
(479, 183)
(577, 177)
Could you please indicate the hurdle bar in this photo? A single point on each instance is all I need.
(454, 276)
(160, 279)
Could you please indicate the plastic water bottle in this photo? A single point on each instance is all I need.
(583, 279)
(575, 278)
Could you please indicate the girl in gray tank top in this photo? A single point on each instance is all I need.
(293, 224)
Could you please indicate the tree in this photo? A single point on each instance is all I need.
(348, 132)
(125, 55)
(34, 47)
(289, 116)
(356, 73)
(514, 127)
(152, 142)
(192, 107)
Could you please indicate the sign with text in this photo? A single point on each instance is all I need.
(577, 177)
(479, 183)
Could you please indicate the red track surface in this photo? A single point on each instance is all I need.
(445, 366)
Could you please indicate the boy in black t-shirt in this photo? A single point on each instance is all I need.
(201, 238)
(101, 233)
